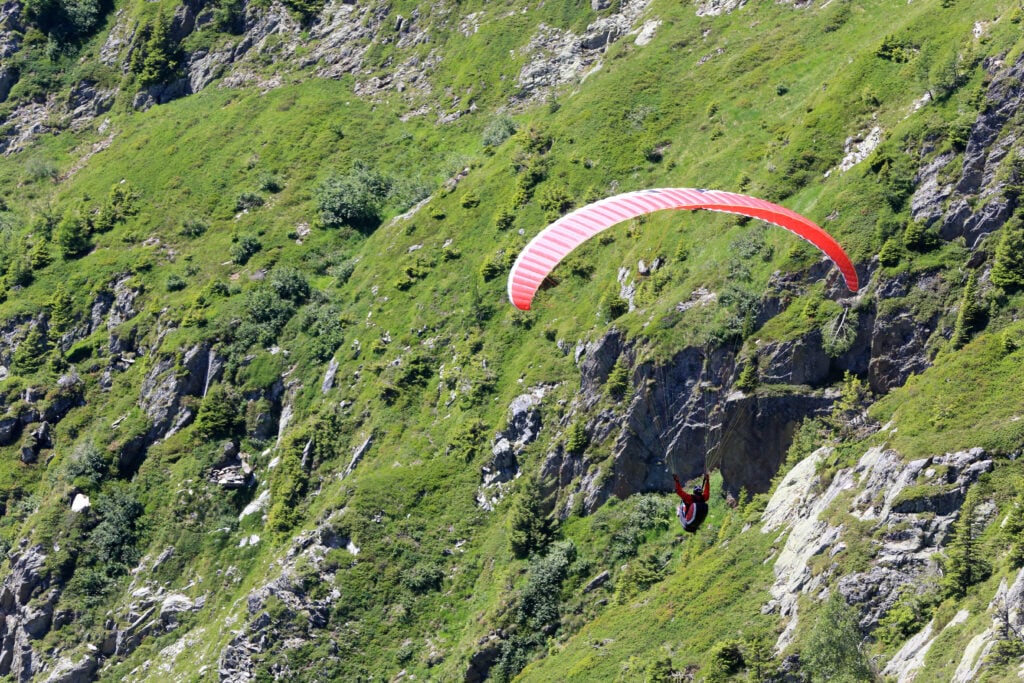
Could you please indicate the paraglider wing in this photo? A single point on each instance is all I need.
(554, 243)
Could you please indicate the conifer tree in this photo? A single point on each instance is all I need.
(71, 235)
(1008, 267)
(1013, 531)
(31, 352)
(967, 316)
(40, 256)
(157, 61)
(890, 253)
(529, 530)
(747, 380)
(618, 381)
(965, 564)
(60, 310)
(758, 656)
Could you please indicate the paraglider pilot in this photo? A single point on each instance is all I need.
(694, 508)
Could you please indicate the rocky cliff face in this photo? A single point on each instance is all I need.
(978, 202)
(27, 600)
(333, 44)
(910, 527)
(684, 408)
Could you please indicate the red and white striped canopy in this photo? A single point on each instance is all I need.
(554, 243)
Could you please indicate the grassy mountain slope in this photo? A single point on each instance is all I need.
(213, 210)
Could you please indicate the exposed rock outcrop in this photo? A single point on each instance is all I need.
(911, 505)
(524, 424)
(26, 613)
(678, 412)
(558, 56)
(261, 632)
(976, 203)
(167, 384)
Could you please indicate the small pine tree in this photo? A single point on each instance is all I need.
(528, 528)
(1008, 266)
(890, 253)
(288, 487)
(218, 414)
(661, 671)
(613, 306)
(159, 59)
(576, 440)
(618, 381)
(19, 274)
(965, 564)
(967, 316)
(747, 380)
(31, 352)
(758, 656)
(1013, 531)
(40, 256)
(638, 576)
(833, 648)
(71, 235)
(61, 314)
(726, 660)
(917, 238)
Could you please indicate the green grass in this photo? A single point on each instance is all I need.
(767, 113)
(968, 399)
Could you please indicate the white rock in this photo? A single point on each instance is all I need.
(80, 503)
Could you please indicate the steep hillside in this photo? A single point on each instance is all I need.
(267, 413)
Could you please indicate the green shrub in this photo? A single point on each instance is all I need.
(499, 129)
(289, 283)
(613, 306)
(325, 325)
(305, 10)
(287, 487)
(725, 659)
(175, 283)
(832, 651)
(470, 200)
(112, 541)
(88, 467)
(423, 577)
(268, 182)
(907, 616)
(539, 600)
(67, 21)
(354, 199)
(638, 576)
(192, 227)
(916, 237)
(247, 201)
(244, 249)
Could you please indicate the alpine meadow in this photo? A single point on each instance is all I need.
(267, 412)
